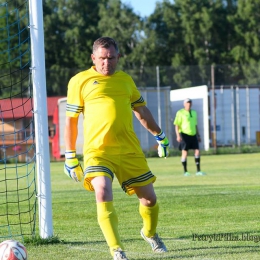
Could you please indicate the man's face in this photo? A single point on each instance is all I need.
(105, 60)
(187, 105)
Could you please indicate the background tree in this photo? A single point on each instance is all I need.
(183, 37)
(246, 52)
(204, 25)
(14, 49)
(70, 27)
(118, 21)
(162, 40)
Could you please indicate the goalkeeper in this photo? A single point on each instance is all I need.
(108, 99)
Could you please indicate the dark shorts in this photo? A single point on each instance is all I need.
(188, 142)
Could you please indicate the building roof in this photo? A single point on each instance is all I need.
(23, 107)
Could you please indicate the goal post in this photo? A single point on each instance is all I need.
(25, 183)
(41, 118)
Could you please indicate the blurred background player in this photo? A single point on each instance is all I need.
(187, 134)
(108, 99)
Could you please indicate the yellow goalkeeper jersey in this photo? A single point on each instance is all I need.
(106, 103)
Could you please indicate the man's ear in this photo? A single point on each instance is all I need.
(93, 58)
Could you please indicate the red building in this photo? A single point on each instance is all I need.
(16, 133)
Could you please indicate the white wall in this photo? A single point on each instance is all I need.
(199, 96)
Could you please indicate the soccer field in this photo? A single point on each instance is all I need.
(201, 217)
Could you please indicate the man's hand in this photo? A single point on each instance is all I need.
(72, 167)
(179, 139)
(163, 147)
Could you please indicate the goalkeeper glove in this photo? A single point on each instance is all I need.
(72, 167)
(163, 147)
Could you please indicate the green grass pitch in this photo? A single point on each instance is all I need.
(201, 217)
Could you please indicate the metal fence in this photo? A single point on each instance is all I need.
(227, 115)
(237, 114)
(176, 78)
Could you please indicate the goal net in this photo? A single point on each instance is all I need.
(18, 200)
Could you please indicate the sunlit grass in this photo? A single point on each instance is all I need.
(199, 215)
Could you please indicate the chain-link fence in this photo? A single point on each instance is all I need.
(176, 78)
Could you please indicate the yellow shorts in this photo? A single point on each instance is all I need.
(131, 170)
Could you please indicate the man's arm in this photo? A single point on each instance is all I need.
(71, 132)
(72, 167)
(145, 117)
(178, 136)
(198, 134)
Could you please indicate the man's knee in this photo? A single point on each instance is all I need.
(146, 195)
(103, 188)
(197, 152)
(148, 202)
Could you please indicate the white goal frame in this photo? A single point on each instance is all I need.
(41, 118)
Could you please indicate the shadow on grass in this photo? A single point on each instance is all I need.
(184, 247)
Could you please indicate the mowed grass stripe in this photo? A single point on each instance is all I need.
(224, 202)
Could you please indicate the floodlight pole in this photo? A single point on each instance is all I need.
(41, 118)
(214, 134)
(158, 96)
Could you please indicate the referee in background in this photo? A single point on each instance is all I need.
(188, 135)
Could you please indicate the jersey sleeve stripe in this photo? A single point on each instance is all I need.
(74, 108)
(138, 101)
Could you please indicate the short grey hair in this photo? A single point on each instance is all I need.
(104, 42)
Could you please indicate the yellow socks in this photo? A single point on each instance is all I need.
(150, 219)
(108, 222)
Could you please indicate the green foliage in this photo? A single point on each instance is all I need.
(125, 27)
(187, 36)
(237, 150)
(246, 51)
(70, 29)
(14, 49)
